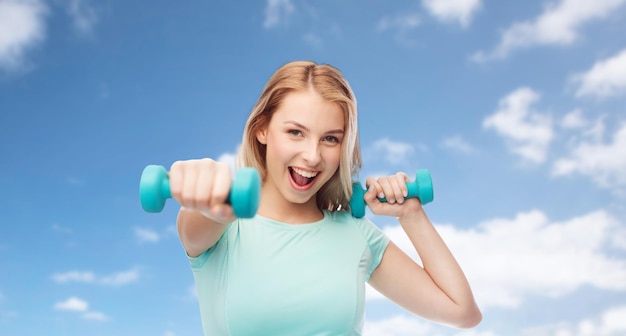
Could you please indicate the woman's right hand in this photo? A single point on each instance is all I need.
(203, 186)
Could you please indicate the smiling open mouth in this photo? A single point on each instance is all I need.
(302, 178)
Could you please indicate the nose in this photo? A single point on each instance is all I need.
(311, 153)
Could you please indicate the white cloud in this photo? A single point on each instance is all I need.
(611, 322)
(401, 25)
(95, 316)
(79, 305)
(116, 279)
(147, 235)
(457, 143)
(394, 152)
(370, 293)
(614, 320)
(193, 292)
(402, 325)
(277, 12)
(592, 130)
(83, 15)
(460, 11)
(74, 276)
(401, 22)
(121, 278)
(607, 78)
(605, 163)
(313, 40)
(528, 133)
(507, 259)
(397, 326)
(559, 24)
(22, 27)
(72, 304)
(231, 159)
(574, 120)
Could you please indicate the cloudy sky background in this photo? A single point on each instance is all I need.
(517, 109)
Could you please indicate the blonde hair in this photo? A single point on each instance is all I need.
(330, 84)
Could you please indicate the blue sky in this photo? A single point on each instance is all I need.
(517, 109)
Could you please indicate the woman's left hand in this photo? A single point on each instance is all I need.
(394, 189)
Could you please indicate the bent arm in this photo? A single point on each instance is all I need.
(437, 291)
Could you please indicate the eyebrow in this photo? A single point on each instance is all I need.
(299, 125)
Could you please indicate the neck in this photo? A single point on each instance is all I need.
(274, 206)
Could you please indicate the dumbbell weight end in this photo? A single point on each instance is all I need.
(154, 188)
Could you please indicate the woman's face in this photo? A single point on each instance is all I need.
(303, 141)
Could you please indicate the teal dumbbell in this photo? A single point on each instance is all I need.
(421, 187)
(154, 190)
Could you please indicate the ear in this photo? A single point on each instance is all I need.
(261, 136)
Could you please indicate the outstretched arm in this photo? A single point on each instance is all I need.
(201, 187)
(438, 290)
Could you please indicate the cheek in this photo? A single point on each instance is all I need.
(277, 150)
(334, 157)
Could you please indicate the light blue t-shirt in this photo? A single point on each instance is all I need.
(264, 277)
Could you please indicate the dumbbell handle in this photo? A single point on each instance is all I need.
(421, 187)
(414, 190)
(154, 190)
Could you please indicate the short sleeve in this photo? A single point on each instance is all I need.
(220, 247)
(376, 241)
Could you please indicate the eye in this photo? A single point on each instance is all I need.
(332, 139)
(295, 132)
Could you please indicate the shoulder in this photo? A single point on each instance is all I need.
(366, 234)
(345, 219)
(338, 216)
(219, 248)
(342, 218)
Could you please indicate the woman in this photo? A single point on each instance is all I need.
(299, 266)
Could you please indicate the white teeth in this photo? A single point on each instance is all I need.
(304, 172)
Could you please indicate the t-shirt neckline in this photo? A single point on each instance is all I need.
(297, 227)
